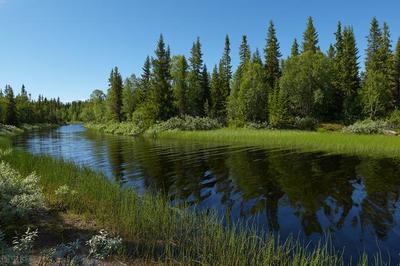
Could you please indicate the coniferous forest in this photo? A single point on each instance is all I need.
(309, 85)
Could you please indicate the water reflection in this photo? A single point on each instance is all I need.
(355, 199)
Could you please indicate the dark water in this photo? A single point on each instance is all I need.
(354, 200)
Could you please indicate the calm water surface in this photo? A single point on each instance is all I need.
(355, 200)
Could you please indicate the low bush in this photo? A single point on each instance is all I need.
(305, 123)
(260, 125)
(187, 123)
(19, 197)
(367, 126)
(393, 120)
(103, 245)
(20, 251)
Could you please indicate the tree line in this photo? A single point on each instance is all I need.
(22, 109)
(264, 88)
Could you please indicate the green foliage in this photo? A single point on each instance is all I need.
(272, 56)
(103, 245)
(20, 251)
(114, 96)
(396, 75)
(295, 49)
(375, 94)
(20, 197)
(251, 102)
(10, 112)
(187, 123)
(161, 94)
(394, 119)
(367, 126)
(179, 73)
(306, 82)
(310, 38)
(305, 123)
(132, 96)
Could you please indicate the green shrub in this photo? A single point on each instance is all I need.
(305, 123)
(260, 125)
(394, 120)
(19, 197)
(367, 126)
(20, 251)
(103, 245)
(187, 123)
(144, 117)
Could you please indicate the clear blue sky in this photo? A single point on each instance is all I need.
(67, 48)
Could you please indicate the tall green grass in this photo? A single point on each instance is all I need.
(364, 145)
(161, 233)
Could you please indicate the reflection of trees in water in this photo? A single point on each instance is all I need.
(314, 185)
(382, 184)
(252, 175)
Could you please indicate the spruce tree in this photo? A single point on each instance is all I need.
(225, 75)
(205, 83)
(272, 56)
(179, 72)
(244, 56)
(226, 68)
(145, 77)
(374, 39)
(295, 48)
(115, 95)
(10, 117)
(310, 37)
(196, 90)
(244, 51)
(350, 76)
(161, 81)
(217, 99)
(396, 74)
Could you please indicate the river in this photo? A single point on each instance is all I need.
(308, 195)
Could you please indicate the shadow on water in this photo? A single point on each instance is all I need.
(354, 200)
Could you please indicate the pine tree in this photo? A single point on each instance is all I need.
(179, 72)
(115, 95)
(161, 81)
(295, 48)
(272, 56)
(196, 90)
(396, 74)
(10, 117)
(310, 37)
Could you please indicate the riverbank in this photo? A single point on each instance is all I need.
(335, 142)
(156, 232)
(8, 130)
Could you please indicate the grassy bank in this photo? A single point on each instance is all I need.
(364, 145)
(8, 130)
(158, 232)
